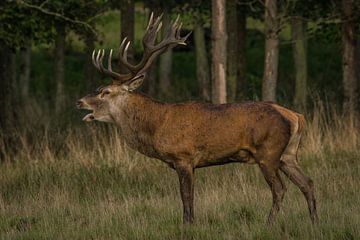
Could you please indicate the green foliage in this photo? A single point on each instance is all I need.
(20, 24)
(79, 10)
(23, 21)
(195, 11)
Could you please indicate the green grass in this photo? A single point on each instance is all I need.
(132, 197)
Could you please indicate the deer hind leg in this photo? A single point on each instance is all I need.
(293, 171)
(290, 167)
(277, 187)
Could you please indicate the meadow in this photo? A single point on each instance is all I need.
(82, 182)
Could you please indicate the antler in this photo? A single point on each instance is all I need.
(98, 63)
(151, 50)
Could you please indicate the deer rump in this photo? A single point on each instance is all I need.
(297, 125)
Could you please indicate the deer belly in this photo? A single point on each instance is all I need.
(242, 156)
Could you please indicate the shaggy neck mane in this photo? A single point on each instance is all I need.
(139, 117)
(142, 120)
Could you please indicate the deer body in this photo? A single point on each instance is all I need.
(202, 134)
(192, 135)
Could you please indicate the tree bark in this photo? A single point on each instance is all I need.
(7, 102)
(298, 30)
(241, 62)
(6, 88)
(219, 39)
(349, 58)
(127, 18)
(232, 52)
(25, 68)
(165, 67)
(202, 63)
(150, 83)
(89, 68)
(271, 52)
(59, 68)
(13, 77)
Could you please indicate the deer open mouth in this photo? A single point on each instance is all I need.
(89, 117)
(82, 105)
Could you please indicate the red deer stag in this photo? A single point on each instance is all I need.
(193, 135)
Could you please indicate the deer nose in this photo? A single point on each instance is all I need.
(79, 103)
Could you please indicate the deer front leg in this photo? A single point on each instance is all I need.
(186, 180)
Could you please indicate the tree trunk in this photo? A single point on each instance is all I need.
(25, 67)
(349, 58)
(127, 18)
(7, 102)
(358, 57)
(13, 79)
(202, 63)
(219, 39)
(241, 30)
(298, 30)
(165, 67)
(59, 68)
(232, 52)
(6, 87)
(89, 67)
(150, 84)
(271, 52)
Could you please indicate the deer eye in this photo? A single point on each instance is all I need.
(105, 92)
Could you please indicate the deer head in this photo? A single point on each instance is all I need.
(104, 99)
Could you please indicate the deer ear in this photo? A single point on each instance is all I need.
(133, 84)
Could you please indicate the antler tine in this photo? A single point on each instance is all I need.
(186, 37)
(109, 61)
(121, 48)
(93, 59)
(158, 19)
(178, 31)
(151, 33)
(176, 20)
(126, 50)
(98, 60)
(150, 20)
(178, 35)
(158, 28)
(172, 37)
(101, 58)
(123, 55)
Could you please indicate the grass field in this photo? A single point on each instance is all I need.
(83, 183)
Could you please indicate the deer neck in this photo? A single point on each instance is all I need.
(138, 118)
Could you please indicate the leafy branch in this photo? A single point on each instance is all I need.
(55, 14)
